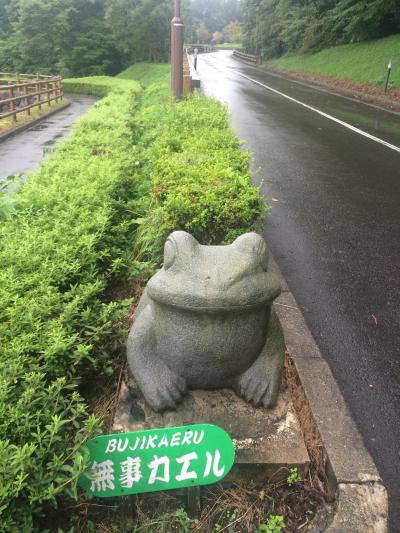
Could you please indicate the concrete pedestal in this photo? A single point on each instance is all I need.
(268, 441)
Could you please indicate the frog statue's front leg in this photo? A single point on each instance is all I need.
(260, 383)
(161, 388)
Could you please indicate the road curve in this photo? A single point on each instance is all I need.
(334, 230)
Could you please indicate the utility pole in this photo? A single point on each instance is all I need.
(177, 52)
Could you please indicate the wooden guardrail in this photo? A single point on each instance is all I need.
(246, 57)
(23, 92)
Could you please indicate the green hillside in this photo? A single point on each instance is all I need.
(365, 62)
(147, 73)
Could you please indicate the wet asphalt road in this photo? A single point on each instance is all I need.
(23, 152)
(334, 230)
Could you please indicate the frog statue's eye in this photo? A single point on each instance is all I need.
(169, 254)
(255, 246)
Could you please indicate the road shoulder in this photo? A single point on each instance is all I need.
(361, 502)
(359, 92)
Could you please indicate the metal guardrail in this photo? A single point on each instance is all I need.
(201, 48)
(24, 92)
(246, 57)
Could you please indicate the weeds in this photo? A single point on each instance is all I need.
(269, 507)
(293, 477)
(8, 188)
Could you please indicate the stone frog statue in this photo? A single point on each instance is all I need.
(205, 321)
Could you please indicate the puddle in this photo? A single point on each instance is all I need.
(39, 127)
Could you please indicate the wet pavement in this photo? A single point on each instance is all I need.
(334, 230)
(23, 152)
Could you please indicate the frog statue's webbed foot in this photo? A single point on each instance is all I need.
(162, 389)
(261, 382)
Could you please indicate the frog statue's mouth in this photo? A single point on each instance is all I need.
(214, 278)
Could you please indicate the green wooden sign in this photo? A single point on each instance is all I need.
(159, 459)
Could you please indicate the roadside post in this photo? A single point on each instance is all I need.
(389, 70)
(177, 30)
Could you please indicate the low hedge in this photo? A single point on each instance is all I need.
(98, 85)
(58, 250)
(135, 168)
(200, 179)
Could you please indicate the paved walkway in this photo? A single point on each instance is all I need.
(23, 152)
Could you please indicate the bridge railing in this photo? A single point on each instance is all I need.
(23, 92)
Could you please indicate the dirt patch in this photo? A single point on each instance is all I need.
(237, 509)
(311, 435)
(370, 94)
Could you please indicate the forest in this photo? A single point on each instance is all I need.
(272, 28)
(93, 37)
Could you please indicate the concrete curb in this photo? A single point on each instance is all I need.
(19, 129)
(361, 502)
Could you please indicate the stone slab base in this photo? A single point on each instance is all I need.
(268, 441)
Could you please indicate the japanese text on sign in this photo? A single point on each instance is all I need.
(163, 459)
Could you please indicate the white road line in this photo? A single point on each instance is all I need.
(329, 117)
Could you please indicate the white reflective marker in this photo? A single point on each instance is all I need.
(329, 117)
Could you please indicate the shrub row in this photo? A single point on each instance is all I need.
(98, 210)
(97, 85)
(200, 180)
(58, 251)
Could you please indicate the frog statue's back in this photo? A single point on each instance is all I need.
(205, 320)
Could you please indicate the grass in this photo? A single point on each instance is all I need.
(363, 62)
(230, 46)
(7, 124)
(147, 73)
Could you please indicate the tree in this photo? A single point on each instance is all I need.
(233, 32)
(274, 27)
(203, 35)
(141, 28)
(37, 35)
(217, 37)
(88, 48)
(215, 14)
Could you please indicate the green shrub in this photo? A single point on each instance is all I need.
(200, 179)
(99, 85)
(135, 168)
(66, 238)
